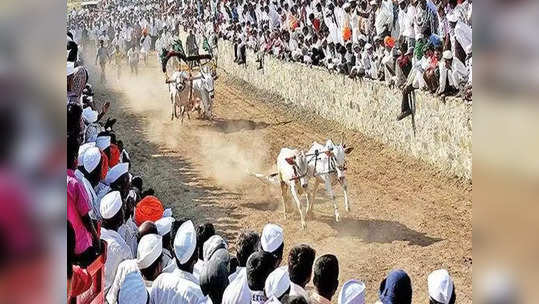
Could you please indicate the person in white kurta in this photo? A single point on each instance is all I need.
(129, 233)
(238, 292)
(453, 73)
(124, 269)
(180, 286)
(171, 288)
(117, 249)
(91, 165)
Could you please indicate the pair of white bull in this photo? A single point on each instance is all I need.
(324, 163)
(200, 98)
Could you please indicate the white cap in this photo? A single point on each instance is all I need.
(149, 250)
(82, 149)
(362, 37)
(115, 172)
(368, 46)
(102, 142)
(185, 242)
(353, 292)
(133, 290)
(440, 286)
(277, 283)
(110, 204)
(272, 237)
(164, 225)
(91, 159)
(70, 68)
(452, 17)
(167, 212)
(89, 115)
(447, 55)
(211, 245)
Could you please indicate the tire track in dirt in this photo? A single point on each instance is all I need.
(404, 214)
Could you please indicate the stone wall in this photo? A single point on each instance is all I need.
(444, 130)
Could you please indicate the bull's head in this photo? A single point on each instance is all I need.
(339, 154)
(207, 81)
(299, 162)
(180, 79)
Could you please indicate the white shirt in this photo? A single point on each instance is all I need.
(172, 288)
(234, 275)
(384, 16)
(197, 269)
(169, 262)
(129, 231)
(126, 267)
(258, 297)
(117, 252)
(145, 45)
(296, 290)
(406, 21)
(101, 190)
(94, 203)
(133, 56)
(187, 276)
(238, 292)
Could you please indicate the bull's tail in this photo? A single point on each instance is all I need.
(272, 179)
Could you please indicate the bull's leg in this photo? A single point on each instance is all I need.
(284, 194)
(182, 112)
(345, 192)
(298, 204)
(310, 203)
(331, 194)
(173, 107)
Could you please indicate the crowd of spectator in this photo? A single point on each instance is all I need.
(409, 44)
(155, 256)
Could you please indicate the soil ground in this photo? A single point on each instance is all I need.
(404, 213)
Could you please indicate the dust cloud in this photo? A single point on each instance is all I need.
(225, 150)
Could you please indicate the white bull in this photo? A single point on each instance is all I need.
(201, 97)
(327, 166)
(203, 86)
(177, 85)
(292, 171)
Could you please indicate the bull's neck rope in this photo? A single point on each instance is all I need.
(332, 163)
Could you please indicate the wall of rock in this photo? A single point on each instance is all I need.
(444, 130)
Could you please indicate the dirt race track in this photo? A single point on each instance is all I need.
(404, 214)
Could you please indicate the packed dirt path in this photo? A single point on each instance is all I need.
(404, 214)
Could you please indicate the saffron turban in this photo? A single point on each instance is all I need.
(148, 209)
(347, 33)
(389, 41)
